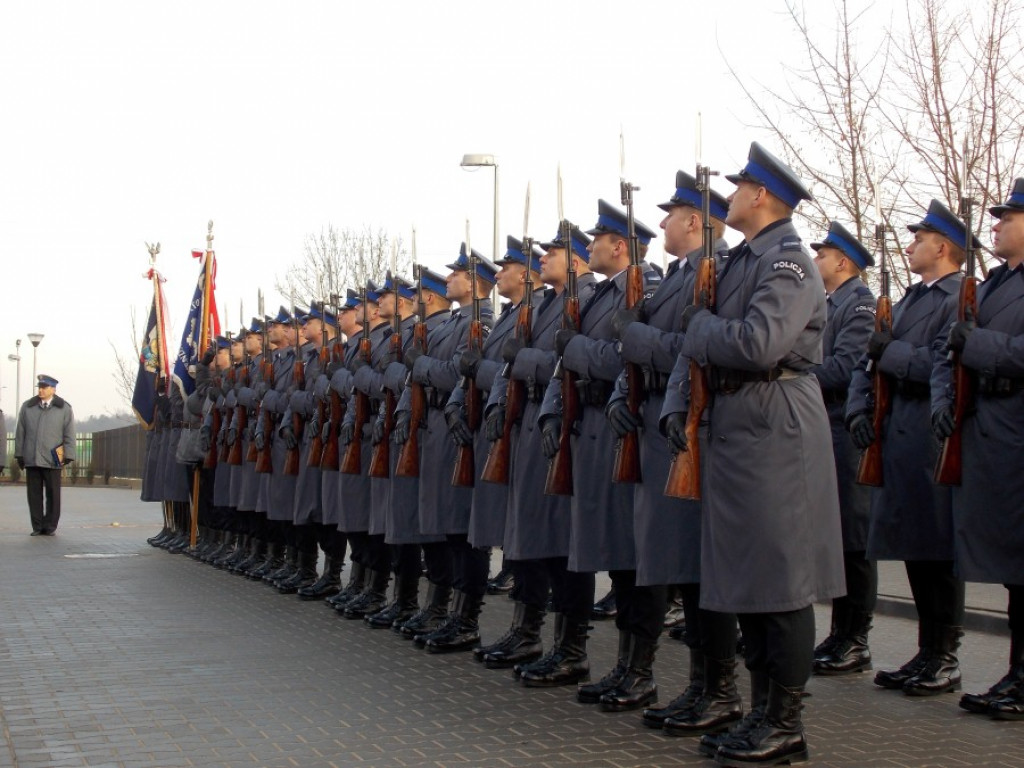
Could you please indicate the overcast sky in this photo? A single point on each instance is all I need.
(128, 122)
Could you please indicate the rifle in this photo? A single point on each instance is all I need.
(210, 461)
(229, 383)
(329, 460)
(409, 454)
(464, 471)
(683, 480)
(353, 462)
(380, 460)
(291, 459)
(316, 447)
(559, 477)
(869, 471)
(949, 467)
(241, 412)
(627, 448)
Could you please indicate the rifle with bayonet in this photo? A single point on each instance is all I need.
(210, 460)
(869, 471)
(316, 446)
(380, 460)
(409, 454)
(264, 461)
(241, 419)
(464, 471)
(353, 461)
(335, 408)
(228, 383)
(683, 480)
(291, 459)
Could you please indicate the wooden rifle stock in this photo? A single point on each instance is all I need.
(949, 467)
(225, 449)
(330, 459)
(627, 448)
(464, 470)
(869, 471)
(409, 454)
(241, 421)
(380, 461)
(498, 455)
(353, 461)
(291, 459)
(316, 446)
(559, 477)
(210, 461)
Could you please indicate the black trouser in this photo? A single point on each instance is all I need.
(639, 610)
(440, 564)
(779, 644)
(40, 481)
(938, 593)
(358, 543)
(379, 556)
(572, 593)
(304, 537)
(207, 515)
(861, 584)
(404, 558)
(471, 565)
(1015, 608)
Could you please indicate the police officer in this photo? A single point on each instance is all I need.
(601, 511)
(536, 540)
(771, 539)
(988, 519)
(911, 517)
(840, 258)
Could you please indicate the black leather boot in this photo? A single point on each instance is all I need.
(1008, 686)
(238, 550)
(431, 617)
(404, 606)
(462, 630)
(1008, 703)
(156, 541)
(288, 564)
(824, 649)
(591, 693)
(778, 739)
(328, 584)
(568, 663)
(272, 562)
(521, 644)
(850, 652)
(355, 586)
(895, 678)
(220, 541)
(637, 688)
(502, 583)
(257, 556)
(941, 671)
(305, 574)
(372, 599)
(606, 607)
(710, 742)
(655, 717)
(717, 707)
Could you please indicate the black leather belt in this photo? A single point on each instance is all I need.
(594, 393)
(534, 392)
(655, 382)
(728, 380)
(435, 397)
(999, 386)
(913, 390)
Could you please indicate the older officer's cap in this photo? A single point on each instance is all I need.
(485, 268)
(579, 238)
(1014, 203)
(610, 220)
(392, 283)
(514, 254)
(766, 169)
(432, 281)
(687, 194)
(46, 381)
(839, 237)
(941, 220)
(372, 291)
(283, 316)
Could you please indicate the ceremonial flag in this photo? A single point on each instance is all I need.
(154, 364)
(201, 325)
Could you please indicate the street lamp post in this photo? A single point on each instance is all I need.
(486, 161)
(35, 338)
(16, 358)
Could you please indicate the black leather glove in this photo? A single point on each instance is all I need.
(21, 462)
(494, 426)
(958, 333)
(411, 356)
(214, 392)
(550, 434)
(347, 432)
(861, 430)
(622, 319)
(288, 435)
(333, 367)
(260, 440)
(622, 419)
(402, 429)
(562, 338)
(688, 312)
(469, 363)
(209, 354)
(511, 348)
(357, 362)
(878, 341)
(943, 423)
(205, 438)
(458, 428)
(675, 432)
(377, 433)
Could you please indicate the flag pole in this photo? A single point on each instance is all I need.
(204, 340)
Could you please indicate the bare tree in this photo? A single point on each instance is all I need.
(126, 368)
(334, 259)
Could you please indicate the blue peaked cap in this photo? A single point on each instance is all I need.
(433, 281)
(514, 254)
(766, 169)
(1015, 202)
(372, 291)
(405, 288)
(283, 316)
(839, 237)
(579, 238)
(687, 194)
(941, 220)
(485, 268)
(610, 220)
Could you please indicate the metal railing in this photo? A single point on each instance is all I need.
(100, 456)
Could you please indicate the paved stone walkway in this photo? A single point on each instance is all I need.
(141, 658)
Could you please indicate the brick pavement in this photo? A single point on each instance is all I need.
(149, 659)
